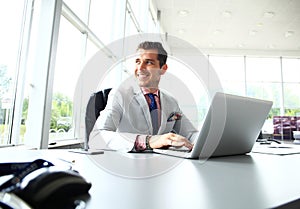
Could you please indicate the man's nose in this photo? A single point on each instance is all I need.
(141, 66)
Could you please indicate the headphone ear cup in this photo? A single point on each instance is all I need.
(52, 188)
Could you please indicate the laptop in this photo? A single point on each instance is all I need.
(231, 127)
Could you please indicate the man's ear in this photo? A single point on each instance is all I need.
(164, 69)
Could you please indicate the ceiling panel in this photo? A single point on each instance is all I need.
(261, 25)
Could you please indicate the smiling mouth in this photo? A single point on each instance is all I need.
(142, 76)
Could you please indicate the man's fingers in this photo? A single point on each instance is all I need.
(178, 141)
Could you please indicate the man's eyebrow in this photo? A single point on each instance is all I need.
(138, 59)
(150, 60)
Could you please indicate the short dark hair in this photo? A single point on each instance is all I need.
(162, 54)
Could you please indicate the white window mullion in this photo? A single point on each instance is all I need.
(21, 68)
(282, 102)
(40, 98)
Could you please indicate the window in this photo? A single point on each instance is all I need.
(188, 89)
(78, 41)
(291, 86)
(12, 23)
(263, 79)
(79, 7)
(69, 62)
(107, 22)
(231, 72)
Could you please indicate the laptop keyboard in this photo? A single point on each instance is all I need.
(180, 149)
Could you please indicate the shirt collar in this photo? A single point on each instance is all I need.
(146, 91)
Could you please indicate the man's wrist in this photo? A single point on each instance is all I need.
(148, 147)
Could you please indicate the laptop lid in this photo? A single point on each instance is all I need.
(231, 127)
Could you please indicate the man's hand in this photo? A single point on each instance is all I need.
(169, 139)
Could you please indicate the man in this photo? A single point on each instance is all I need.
(139, 116)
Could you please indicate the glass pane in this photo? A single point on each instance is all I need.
(263, 76)
(267, 91)
(291, 85)
(79, 7)
(188, 88)
(91, 50)
(237, 88)
(263, 69)
(291, 70)
(151, 27)
(140, 8)
(107, 22)
(11, 13)
(229, 68)
(67, 70)
(292, 98)
(142, 13)
(130, 26)
(231, 73)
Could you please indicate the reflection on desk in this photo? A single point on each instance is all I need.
(156, 181)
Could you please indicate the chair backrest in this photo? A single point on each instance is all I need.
(96, 104)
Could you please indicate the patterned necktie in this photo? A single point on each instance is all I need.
(152, 104)
(153, 112)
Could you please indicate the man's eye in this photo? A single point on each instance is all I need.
(149, 62)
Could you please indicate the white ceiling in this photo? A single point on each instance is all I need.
(269, 26)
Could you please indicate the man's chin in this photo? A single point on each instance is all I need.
(146, 84)
(142, 85)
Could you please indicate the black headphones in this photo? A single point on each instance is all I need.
(19, 171)
(41, 185)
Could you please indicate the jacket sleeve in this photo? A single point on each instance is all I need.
(105, 134)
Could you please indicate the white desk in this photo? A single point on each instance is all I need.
(157, 181)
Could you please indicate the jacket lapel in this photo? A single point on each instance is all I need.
(164, 110)
(140, 98)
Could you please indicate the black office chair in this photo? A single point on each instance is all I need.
(96, 104)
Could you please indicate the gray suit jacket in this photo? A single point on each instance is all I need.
(127, 115)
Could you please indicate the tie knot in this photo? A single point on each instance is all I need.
(151, 95)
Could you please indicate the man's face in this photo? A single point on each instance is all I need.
(147, 69)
